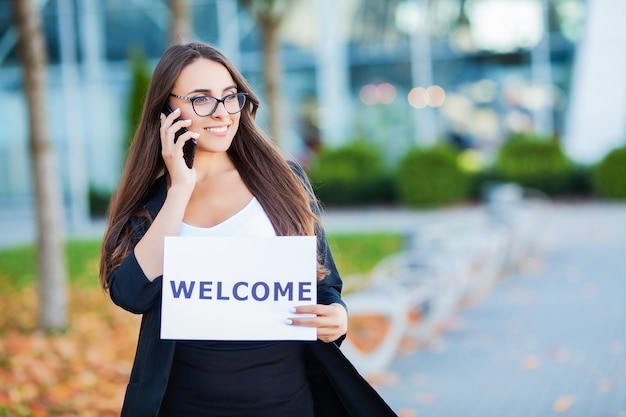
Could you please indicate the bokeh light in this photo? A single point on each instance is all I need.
(368, 94)
(418, 97)
(433, 96)
(436, 96)
(385, 93)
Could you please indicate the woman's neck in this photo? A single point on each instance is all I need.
(210, 165)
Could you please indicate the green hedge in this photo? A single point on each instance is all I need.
(535, 162)
(608, 177)
(431, 177)
(350, 175)
(140, 80)
(98, 201)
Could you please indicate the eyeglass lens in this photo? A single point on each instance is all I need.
(207, 105)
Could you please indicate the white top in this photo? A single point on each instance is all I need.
(250, 221)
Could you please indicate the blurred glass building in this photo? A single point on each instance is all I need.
(397, 73)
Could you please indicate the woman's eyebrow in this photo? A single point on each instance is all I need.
(208, 91)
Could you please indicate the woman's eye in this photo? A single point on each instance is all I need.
(202, 100)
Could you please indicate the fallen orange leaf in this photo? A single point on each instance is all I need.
(367, 331)
(530, 362)
(427, 398)
(563, 403)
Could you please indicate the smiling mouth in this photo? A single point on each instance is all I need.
(221, 129)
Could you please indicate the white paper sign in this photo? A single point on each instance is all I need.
(231, 288)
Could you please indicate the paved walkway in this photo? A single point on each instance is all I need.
(549, 340)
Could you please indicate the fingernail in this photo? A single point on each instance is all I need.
(196, 134)
(292, 310)
(161, 116)
(288, 321)
(177, 110)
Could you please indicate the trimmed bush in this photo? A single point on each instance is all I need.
(535, 162)
(580, 181)
(350, 175)
(431, 177)
(608, 178)
(98, 201)
(140, 80)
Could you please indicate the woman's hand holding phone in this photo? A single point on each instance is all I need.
(189, 149)
(149, 250)
(172, 146)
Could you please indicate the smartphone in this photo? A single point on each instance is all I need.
(189, 149)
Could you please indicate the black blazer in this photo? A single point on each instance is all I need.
(338, 389)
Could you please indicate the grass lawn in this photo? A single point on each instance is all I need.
(84, 370)
(354, 254)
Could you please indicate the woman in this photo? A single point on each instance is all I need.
(239, 185)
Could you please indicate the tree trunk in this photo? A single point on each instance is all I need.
(269, 15)
(50, 247)
(272, 74)
(180, 23)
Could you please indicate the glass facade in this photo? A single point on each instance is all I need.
(396, 73)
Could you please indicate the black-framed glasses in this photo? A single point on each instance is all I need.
(206, 105)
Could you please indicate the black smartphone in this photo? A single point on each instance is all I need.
(189, 149)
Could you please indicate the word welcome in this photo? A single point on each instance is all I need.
(242, 290)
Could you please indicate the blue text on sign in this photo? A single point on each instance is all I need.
(242, 290)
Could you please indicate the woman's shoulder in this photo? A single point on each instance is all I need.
(296, 168)
(299, 171)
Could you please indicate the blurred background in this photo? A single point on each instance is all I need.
(470, 155)
(391, 74)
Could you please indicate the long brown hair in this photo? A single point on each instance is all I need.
(261, 166)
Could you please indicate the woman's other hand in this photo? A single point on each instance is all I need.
(331, 320)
